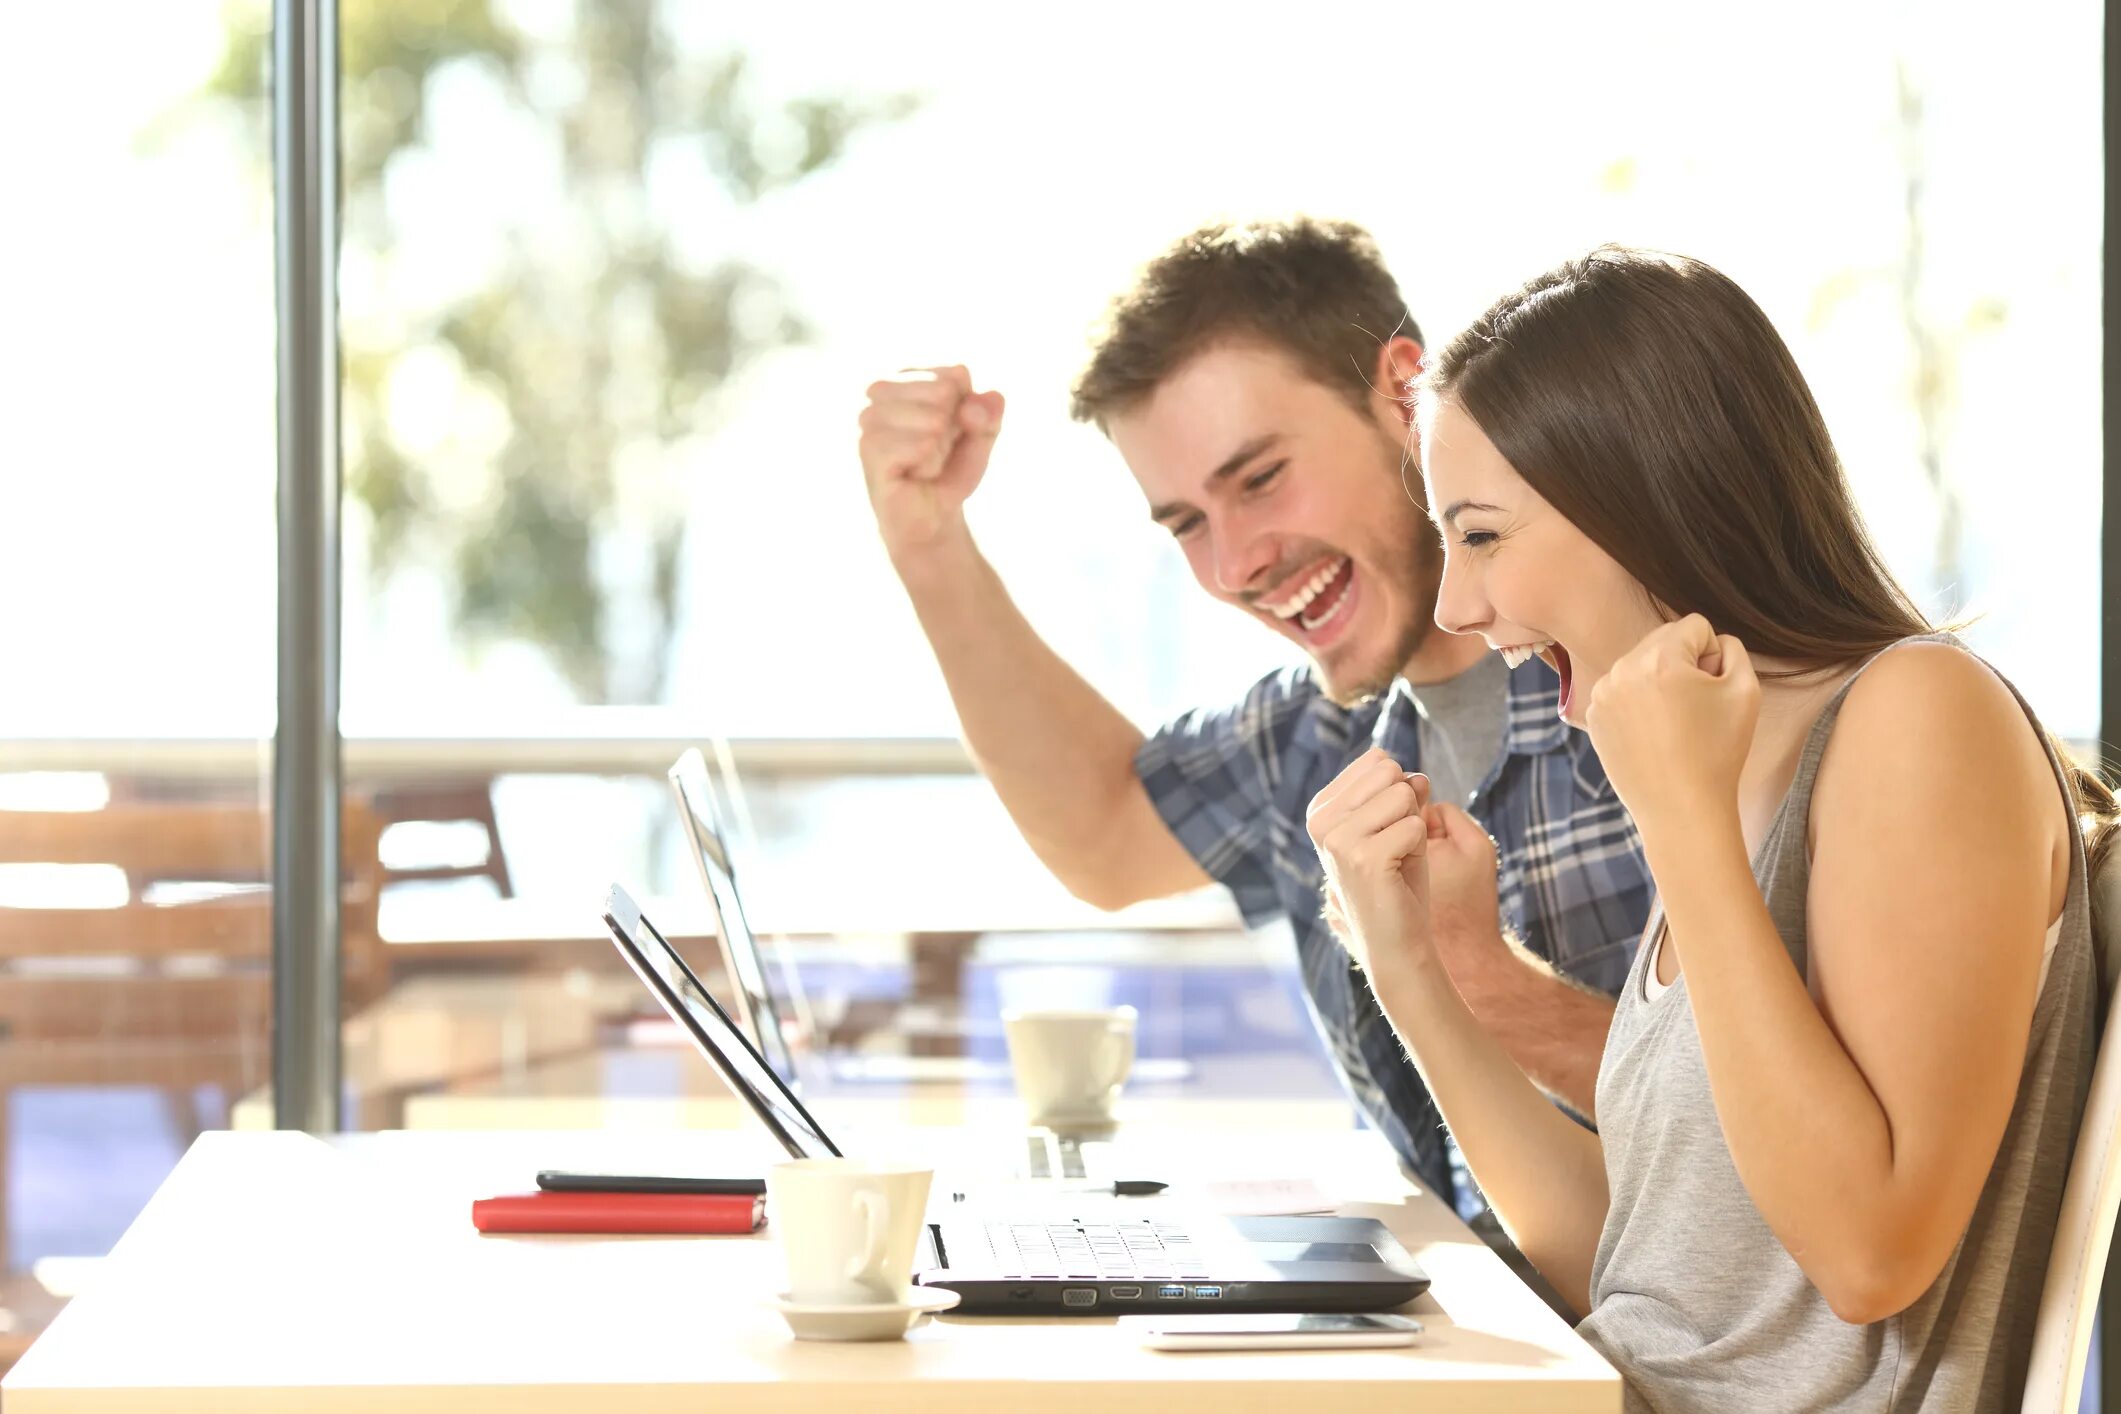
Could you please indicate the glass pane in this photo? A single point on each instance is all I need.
(137, 564)
(616, 278)
(582, 245)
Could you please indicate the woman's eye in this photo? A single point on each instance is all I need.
(1475, 539)
(1264, 478)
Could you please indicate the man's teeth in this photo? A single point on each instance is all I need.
(1522, 653)
(1301, 600)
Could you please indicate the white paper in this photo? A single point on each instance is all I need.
(1258, 1197)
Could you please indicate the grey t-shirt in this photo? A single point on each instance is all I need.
(1692, 1294)
(1462, 721)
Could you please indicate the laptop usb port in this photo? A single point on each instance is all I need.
(1171, 1293)
(1207, 1293)
(1125, 1293)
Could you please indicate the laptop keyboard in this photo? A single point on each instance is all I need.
(1114, 1251)
(1053, 1156)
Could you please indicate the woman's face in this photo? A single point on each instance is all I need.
(1517, 572)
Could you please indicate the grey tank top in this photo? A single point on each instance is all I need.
(1692, 1296)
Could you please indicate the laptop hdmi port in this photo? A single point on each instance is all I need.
(1125, 1293)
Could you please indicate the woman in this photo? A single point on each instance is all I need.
(1843, 1080)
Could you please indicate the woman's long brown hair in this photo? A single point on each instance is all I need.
(1648, 399)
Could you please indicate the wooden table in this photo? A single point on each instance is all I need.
(604, 741)
(939, 927)
(585, 1092)
(277, 1271)
(445, 1030)
(484, 929)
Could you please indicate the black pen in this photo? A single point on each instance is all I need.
(1119, 1188)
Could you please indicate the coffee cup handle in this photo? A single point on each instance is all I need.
(1118, 1041)
(871, 1257)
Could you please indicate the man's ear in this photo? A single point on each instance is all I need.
(1398, 363)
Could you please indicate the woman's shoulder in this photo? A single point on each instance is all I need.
(1931, 710)
(1932, 685)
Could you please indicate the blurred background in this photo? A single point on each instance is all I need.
(614, 277)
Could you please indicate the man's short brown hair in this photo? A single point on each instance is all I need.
(1316, 290)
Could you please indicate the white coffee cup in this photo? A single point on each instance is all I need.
(847, 1228)
(1069, 1064)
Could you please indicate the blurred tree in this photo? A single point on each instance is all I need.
(583, 345)
(1935, 345)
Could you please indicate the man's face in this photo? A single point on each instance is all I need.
(1291, 504)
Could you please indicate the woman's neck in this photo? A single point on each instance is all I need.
(1788, 708)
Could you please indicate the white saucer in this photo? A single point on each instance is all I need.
(1079, 1124)
(872, 1321)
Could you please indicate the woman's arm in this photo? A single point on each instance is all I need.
(1544, 1173)
(1864, 1116)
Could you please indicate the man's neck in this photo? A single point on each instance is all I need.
(1443, 656)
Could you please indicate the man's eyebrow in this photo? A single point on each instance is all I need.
(1235, 462)
(1232, 464)
(1457, 506)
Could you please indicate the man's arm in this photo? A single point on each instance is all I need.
(1554, 1029)
(1060, 756)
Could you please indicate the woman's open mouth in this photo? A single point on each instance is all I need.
(1557, 657)
(1547, 651)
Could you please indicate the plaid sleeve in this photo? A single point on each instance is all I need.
(1213, 774)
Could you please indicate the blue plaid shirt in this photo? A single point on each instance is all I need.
(1233, 784)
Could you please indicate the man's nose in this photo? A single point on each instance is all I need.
(1242, 562)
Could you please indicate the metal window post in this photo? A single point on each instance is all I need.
(2110, 429)
(305, 835)
(2108, 1351)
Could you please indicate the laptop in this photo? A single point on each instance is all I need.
(758, 1003)
(1098, 1264)
(763, 1000)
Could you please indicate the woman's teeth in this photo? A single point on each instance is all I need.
(1310, 589)
(1522, 653)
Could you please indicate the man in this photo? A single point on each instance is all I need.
(1251, 381)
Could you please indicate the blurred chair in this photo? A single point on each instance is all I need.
(171, 985)
(2076, 1266)
(446, 802)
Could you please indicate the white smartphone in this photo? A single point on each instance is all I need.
(1321, 1330)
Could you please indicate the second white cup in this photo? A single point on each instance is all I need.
(1069, 1065)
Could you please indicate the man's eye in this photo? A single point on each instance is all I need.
(1180, 529)
(1261, 481)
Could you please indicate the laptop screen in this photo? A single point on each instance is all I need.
(650, 955)
(757, 1006)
